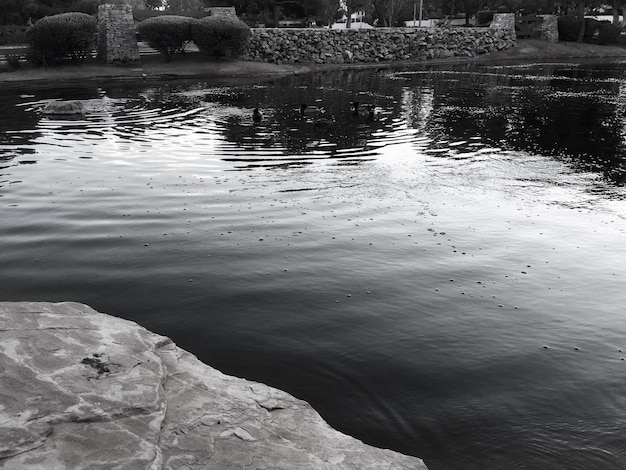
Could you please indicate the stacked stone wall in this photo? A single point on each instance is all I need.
(117, 42)
(336, 46)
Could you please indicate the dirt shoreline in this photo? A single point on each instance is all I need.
(194, 65)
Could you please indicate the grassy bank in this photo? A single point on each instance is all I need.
(194, 65)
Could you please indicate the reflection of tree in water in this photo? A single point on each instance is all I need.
(550, 111)
(577, 116)
(580, 129)
(17, 129)
(576, 121)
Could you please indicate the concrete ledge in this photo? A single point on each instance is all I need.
(83, 390)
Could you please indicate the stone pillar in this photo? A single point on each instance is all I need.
(503, 21)
(550, 28)
(117, 43)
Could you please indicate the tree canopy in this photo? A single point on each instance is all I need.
(324, 12)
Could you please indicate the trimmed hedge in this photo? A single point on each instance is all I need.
(602, 32)
(608, 33)
(484, 17)
(569, 27)
(592, 26)
(56, 37)
(168, 34)
(220, 36)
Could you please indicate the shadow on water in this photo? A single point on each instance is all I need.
(537, 109)
(402, 273)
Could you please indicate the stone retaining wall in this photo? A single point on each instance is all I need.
(336, 46)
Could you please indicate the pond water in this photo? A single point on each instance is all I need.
(446, 280)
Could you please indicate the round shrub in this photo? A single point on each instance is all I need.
(220, 36)
(592, 26)
(484, 17)
(168, 34)
(56, 37)
(569, 27)
(608, 33)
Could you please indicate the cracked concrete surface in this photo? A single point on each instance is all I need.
(85, 390)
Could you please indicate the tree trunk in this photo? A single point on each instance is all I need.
(266, 17)
(270, 16)
(276, 15)
(348, 19)
(581, 15)
(616, 12)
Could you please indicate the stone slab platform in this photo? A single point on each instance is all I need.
(83, 390)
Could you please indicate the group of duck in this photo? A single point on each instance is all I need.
(320, 118)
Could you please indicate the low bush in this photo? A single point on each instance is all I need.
(592, 26)
(168, 34)
(569, 27)
(54, 38)
(608, 33)
(220, 36)
(12, 34)
(484, 17)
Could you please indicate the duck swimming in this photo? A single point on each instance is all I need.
(257, 115)
(359, 109)
(366, 110)
(372, 114)
(310, 110)
(323, 122)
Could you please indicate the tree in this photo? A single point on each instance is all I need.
(390, 11)
(470, 8)
(270, 12)
(581, 14)
(619, 5)
(328, 11)
(19, 11)
(15, 11)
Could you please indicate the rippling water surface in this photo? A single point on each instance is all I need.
(446, 280)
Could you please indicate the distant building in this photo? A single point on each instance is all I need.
(357, 21)
(605, 18)
(434, 22)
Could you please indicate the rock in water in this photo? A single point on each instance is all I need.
(64, 108)
(81, 390)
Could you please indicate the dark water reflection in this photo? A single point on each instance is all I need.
(446, 280)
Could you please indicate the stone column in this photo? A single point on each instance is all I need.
(503, 21)
(117, 43)
(550, 28)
